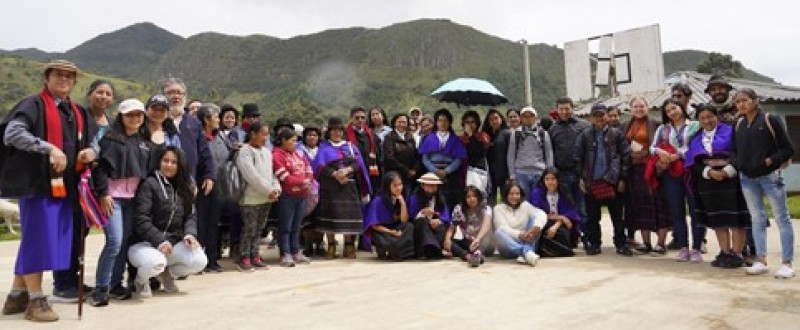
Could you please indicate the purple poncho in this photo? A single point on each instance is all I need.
(565, 208)
(328, 153)
(721, 145)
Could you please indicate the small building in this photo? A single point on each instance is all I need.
(777, 99)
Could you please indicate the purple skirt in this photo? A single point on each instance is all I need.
(46, 242)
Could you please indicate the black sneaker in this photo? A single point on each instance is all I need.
(214, 268)
(624, 251)
(720, 260)
(100, 297)
(65, 296)
(733, 261)
(119, 292)
(593, 250)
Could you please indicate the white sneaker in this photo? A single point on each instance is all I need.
(521, 260)
(757, 268)
(785, 272)
(531, 257)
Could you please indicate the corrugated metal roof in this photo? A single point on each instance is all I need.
(768, 92)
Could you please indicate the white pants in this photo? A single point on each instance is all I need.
(150, 262)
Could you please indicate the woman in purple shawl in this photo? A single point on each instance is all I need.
(386, 222)
(431, 217)
(719, 203)
(343, 186)
(444, 155)
(561, 233)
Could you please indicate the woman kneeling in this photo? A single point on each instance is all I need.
(165, 226)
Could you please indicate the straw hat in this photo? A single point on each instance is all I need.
(429, 178)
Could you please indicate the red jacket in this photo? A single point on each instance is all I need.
(291, 169)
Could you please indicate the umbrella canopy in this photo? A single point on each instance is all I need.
(469, 91)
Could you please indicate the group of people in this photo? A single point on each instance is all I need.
(167, 173)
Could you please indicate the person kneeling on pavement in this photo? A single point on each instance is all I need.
(165, 226)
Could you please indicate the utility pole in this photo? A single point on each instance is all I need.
(526, 64)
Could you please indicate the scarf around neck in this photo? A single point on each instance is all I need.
(55, 130)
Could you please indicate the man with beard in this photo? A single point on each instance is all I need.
(682, 94)
(719, 89)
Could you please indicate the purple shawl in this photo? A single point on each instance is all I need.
(565, 208)
(452, 148)
(721, 145)
(376, 214)
(327, 154)
(417, 200)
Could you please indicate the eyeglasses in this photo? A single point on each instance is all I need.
(360, 117)
(175, 92)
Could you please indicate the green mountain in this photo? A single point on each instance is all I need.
(127, 53)
(313, 76)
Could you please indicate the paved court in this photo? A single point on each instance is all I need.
(606, 291)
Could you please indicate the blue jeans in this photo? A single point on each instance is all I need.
(122, 213)
(121, 259)
(511, 247)
(291, 211)
(772, 186)
(570, 180)
(528, 182)
(675, 195)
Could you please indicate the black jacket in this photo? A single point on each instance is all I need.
(159, 214)
(753, 143)
(401, 154)
(563, 135)
(618, 154)
(25, 173)
(121, 159)
(497, 157)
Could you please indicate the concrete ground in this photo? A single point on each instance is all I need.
(605, 291)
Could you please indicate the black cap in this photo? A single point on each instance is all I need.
(598, 107)
(157, 100)
(250, 110)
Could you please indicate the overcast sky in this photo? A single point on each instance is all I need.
(763, 34)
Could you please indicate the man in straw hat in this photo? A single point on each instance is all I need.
(431, 217)
(46, 141)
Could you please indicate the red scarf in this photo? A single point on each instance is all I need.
(55, 132)
(351, 136)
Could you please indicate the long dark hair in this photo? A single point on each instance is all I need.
(562, 189)
(182, 180)
(116, 131)
(664, 118)
(447, 115)
(384, 121)
(487, 127)
(508, 188)
(386, 191)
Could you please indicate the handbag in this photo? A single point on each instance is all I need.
(558, 246)
(602, 190)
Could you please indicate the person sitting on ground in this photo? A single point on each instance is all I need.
(431, 217)
(386, 221)
(468, 237)
(518, 226)
(165, 226)
(562, 231)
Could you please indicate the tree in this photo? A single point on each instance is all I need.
(720, 64)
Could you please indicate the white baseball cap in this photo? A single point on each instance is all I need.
(528, 109)
(130, 105)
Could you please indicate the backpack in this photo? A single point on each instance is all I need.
(518, 139)
(231, 182)
(771, 132)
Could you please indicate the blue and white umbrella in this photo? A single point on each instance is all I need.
(469, 91)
